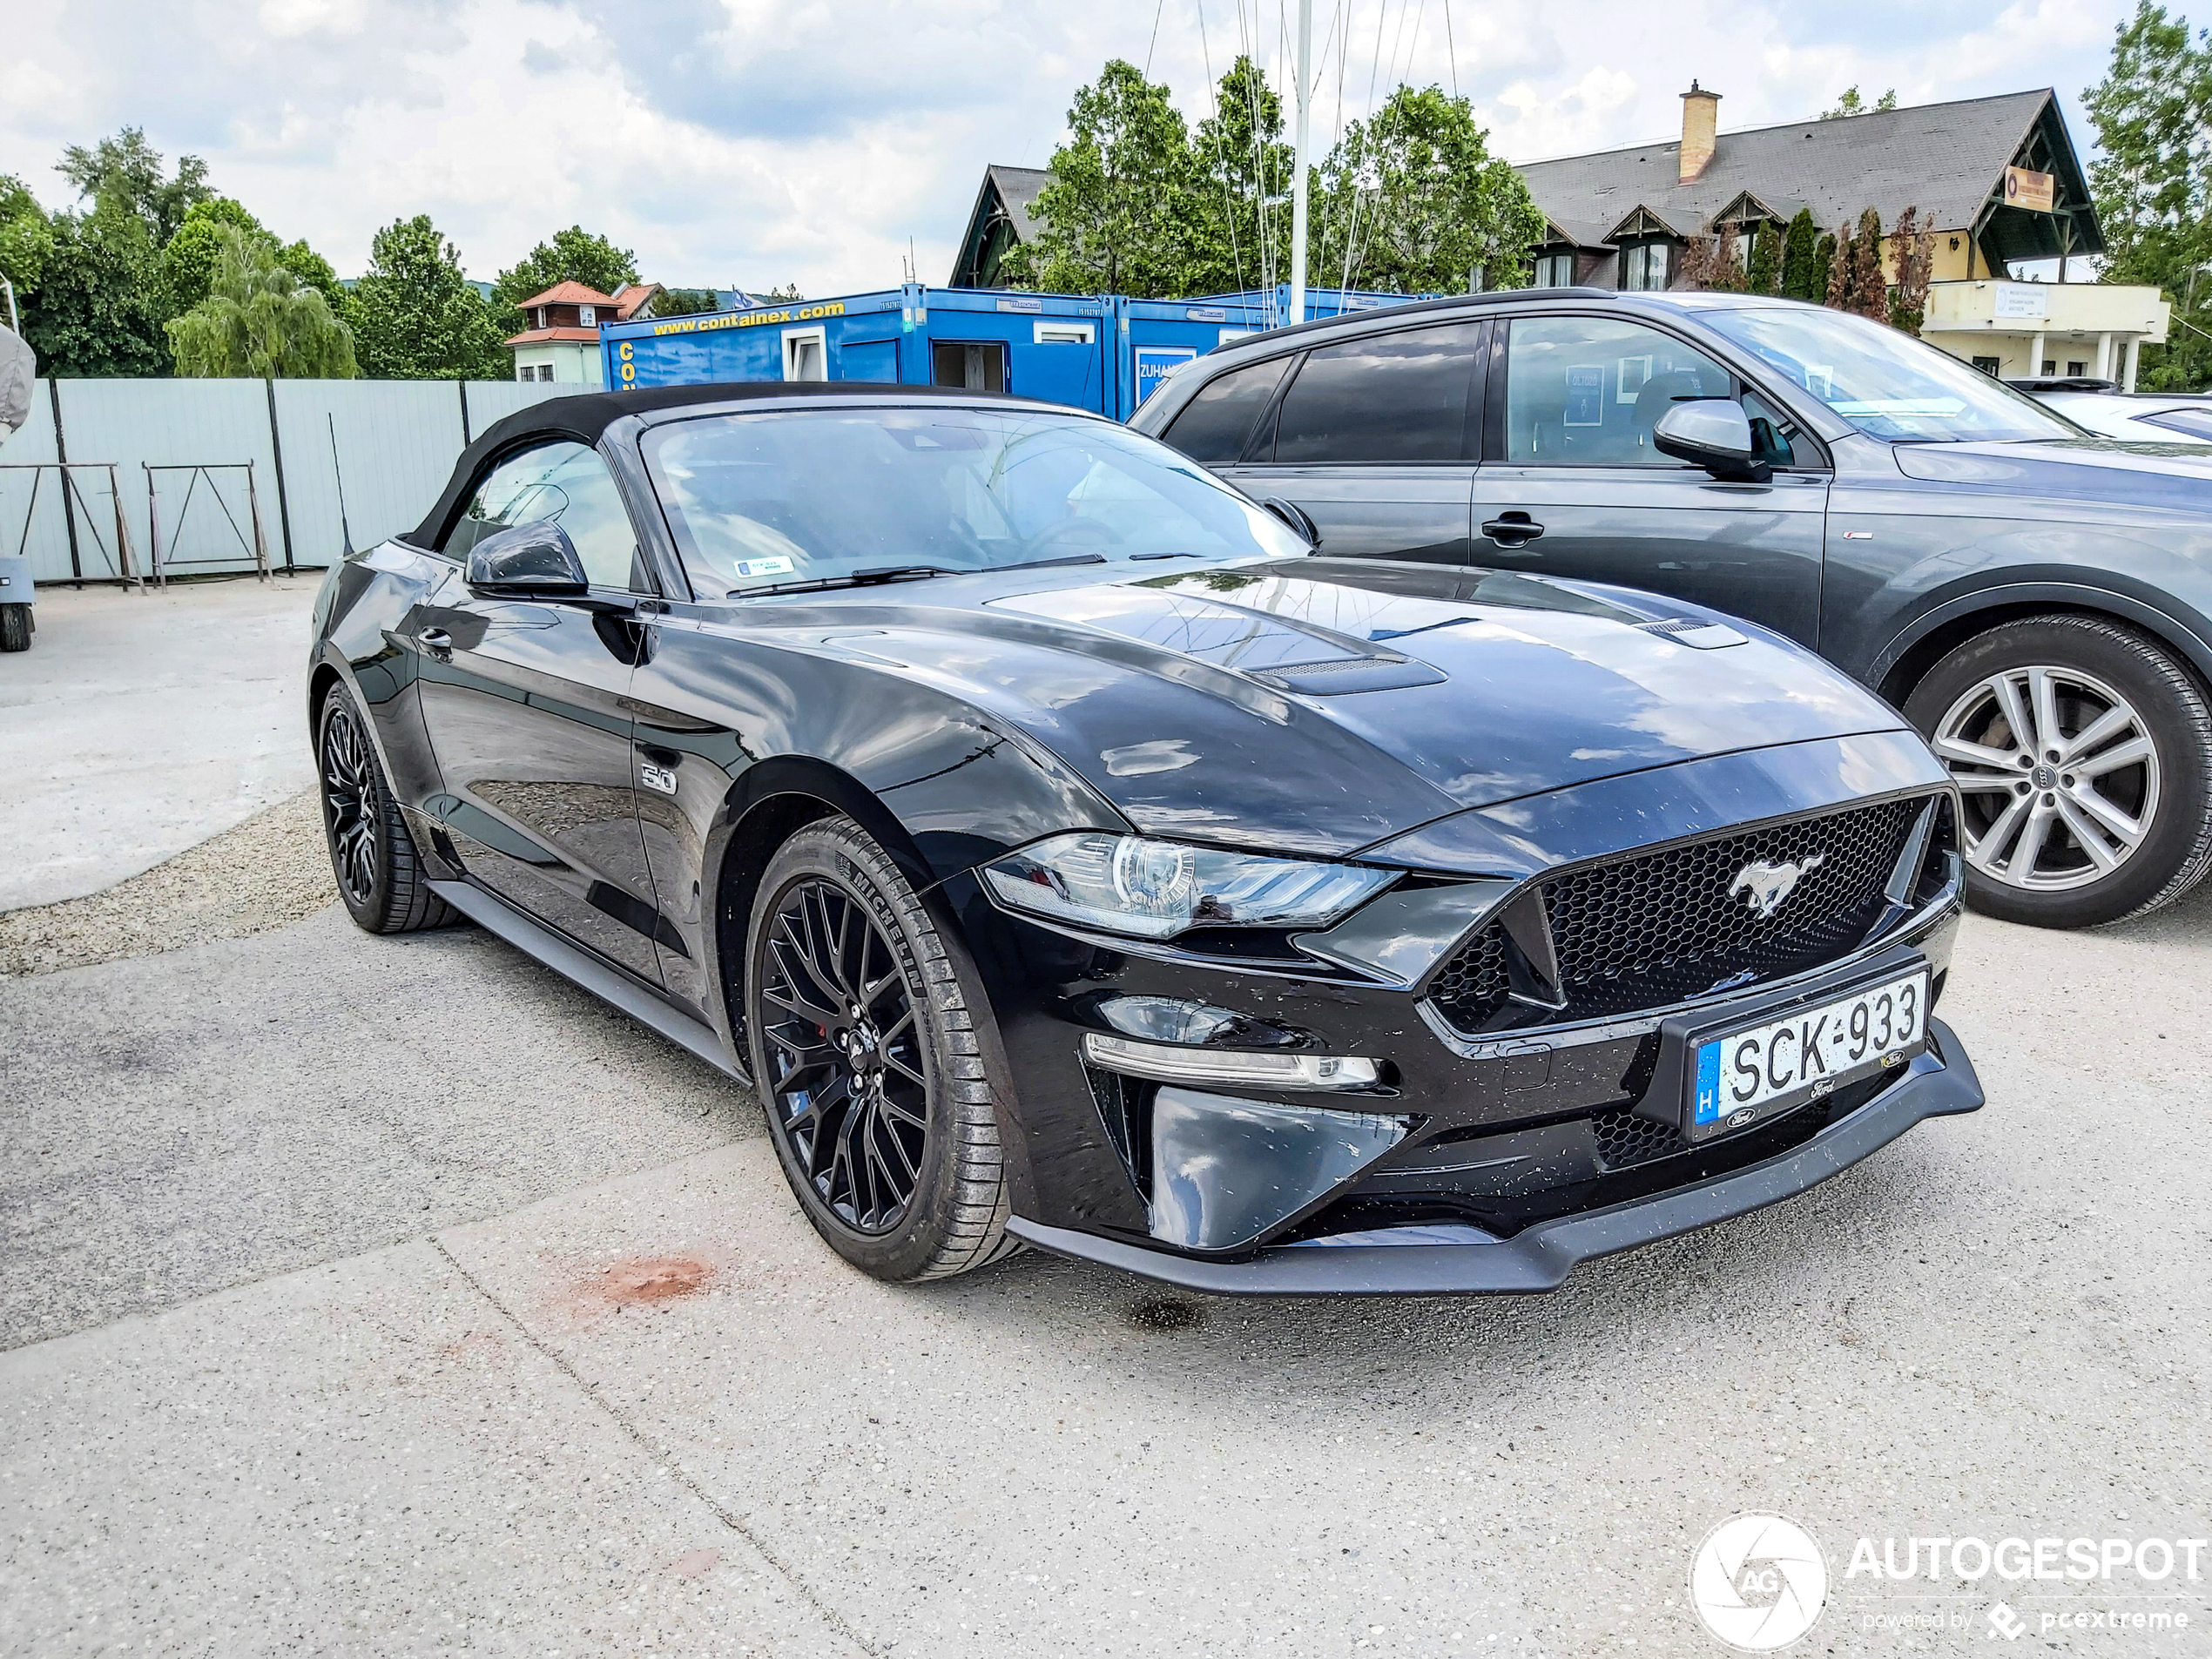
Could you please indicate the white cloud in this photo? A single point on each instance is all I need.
(737, 141)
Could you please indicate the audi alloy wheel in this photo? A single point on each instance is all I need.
(2083, 756)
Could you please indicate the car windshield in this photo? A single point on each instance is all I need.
(760, 500)
(1887, 384)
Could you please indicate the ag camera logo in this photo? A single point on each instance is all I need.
(1759, 1583)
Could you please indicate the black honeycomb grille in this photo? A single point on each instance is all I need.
(1646, 931)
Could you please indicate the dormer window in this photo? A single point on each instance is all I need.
(587, 316)
(541, 316)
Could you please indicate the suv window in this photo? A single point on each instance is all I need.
(569, 484)
(1399, 396)
(1214, 426)
(1587, 391)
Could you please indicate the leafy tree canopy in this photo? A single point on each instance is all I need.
(2153, 181)
(1117, 216)
(96, 310)
(130, 171)
(414, 316)
(258, 319)
(573, 255)
(1850, 103)
(26, 238)
(682, 302)
(1242, 169)
(1413, 202)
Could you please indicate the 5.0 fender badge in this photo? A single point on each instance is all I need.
(658, 779)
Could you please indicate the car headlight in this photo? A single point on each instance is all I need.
(1130, 884)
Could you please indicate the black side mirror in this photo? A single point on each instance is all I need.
(1296, 516)
(533, 560)
(1715, 433)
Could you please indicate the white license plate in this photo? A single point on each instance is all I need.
(1740, 1079)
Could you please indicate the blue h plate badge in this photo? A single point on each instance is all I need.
(1751, 1074)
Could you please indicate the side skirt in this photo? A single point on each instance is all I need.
(603, 979)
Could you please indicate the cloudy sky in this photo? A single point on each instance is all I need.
(736, 142)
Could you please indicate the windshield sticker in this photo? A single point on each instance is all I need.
(1629, 377)
(747, 569)
(1586, 395)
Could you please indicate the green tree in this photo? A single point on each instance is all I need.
(2152, 183)
(1801, 277)
(682, 302)
(1118, 216)
(1869, 293)
(130, 171)
(259, 319)
(1243, 171)
(313, 269)
(1850, 104)
(573, 255)
(189, 261)
(414, 315)
(97, 308)
(26, 236)
(1764, 273)
(1823, 275)
(1411, 201)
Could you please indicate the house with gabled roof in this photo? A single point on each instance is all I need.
(560, 338)
(1997, 180)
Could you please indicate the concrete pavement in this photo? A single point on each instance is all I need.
(140, 724)
(396, 1298)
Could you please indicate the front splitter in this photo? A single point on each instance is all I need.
(1938, 1083)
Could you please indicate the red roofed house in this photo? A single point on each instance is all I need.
(560, 338)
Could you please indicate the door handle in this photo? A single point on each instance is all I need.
(436, 641)
(1513, 529)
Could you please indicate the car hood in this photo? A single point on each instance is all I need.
(1325, 705)
(2176, 475)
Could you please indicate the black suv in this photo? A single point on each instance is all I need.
(2036, 598)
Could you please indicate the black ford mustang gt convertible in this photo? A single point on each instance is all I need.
(1067, 853)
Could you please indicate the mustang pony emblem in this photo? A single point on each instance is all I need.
(1764, 885)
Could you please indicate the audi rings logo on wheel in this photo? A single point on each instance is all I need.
(1759, 1583)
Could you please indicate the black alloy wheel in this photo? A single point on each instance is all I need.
(380, 876)
(877, 1059)
(845, 1065)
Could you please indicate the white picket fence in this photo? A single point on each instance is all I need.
(395, 443)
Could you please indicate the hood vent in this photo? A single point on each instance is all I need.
(1696, 634)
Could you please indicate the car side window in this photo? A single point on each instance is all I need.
(569, 484)
(1587, 391)
(1214, 426)
(1399, 396)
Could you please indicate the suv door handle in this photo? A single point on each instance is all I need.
(436, 641)
(1513, 529)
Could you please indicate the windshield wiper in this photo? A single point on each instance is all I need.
(862, 578)
(1040, 564)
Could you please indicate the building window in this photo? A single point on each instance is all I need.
(1556, 271)
(1643, 268)
(587, 316)
(2050, 365)
(805, 355)
(2076, 371)
(1062, 334)
(1988, 366)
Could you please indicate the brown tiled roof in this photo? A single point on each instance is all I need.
(568, 293)
(556, 337)
(633, 296)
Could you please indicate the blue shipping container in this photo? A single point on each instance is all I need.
(1103, 352)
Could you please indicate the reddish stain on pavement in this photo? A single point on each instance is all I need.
(643, 1281)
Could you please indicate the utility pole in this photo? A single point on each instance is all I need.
(1298, 182)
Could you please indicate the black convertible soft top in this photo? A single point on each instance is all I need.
(583, 416)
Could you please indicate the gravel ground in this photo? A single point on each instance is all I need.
(271, 870)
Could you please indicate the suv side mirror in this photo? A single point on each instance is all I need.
(1715, 433)
(533, 560)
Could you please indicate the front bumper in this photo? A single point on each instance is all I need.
(1939, 1082)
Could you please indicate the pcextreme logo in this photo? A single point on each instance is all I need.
(1758, 1581)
